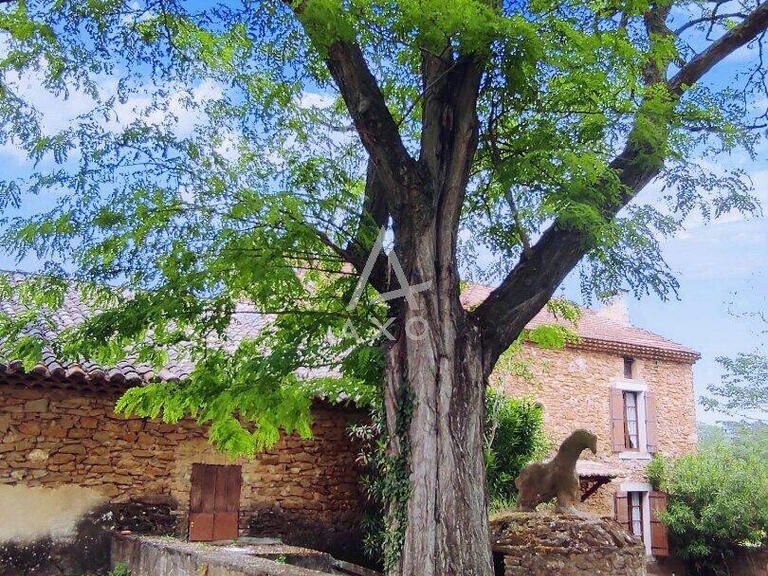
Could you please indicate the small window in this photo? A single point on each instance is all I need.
(631, 422)
(629, 365)
(635, 513)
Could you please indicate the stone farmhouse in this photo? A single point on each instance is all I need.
(633, 389)
(61, 443)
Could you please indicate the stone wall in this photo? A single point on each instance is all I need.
(574, 385)
(51, 438)
(542, 544)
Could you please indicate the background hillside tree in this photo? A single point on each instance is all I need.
(743, 388)
(220, 148)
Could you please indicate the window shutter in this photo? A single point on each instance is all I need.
(650, 423)
(621, 510)
(659, 535)
(617, 420)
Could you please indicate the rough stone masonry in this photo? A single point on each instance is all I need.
(304, 490)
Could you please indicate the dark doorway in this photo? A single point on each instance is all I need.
(214, 502)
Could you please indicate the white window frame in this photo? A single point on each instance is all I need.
(641, 389)
(646, 489)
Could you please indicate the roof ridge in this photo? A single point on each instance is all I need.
(601, 328)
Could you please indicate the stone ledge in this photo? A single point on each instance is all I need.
(158, 556)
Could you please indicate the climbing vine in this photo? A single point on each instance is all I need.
(386, 481)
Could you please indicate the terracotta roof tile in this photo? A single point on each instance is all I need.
(600, 332)
(246, 322)
(592, 469)
(596, 332)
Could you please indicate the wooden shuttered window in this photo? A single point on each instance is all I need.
(659, 534)
(621, 510)
(650, 423)
(617, 420)
(618, 415)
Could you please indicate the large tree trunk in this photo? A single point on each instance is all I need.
(435, 415)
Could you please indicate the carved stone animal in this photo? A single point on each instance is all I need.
(541, 481)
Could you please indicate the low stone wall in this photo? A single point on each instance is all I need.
(542, 544)
(343, 540)
(154, 557)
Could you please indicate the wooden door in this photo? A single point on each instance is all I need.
(214, 502)
(659, 535)
(621, 510)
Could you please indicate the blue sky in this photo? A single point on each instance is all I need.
(722, 266)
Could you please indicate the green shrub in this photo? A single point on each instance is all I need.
(514, 437)
(657, 473)
(119, 570)
(718, 502)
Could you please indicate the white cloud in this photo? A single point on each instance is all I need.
(720, 251)
(653, 194)
(228, 146)
(14, 153)
(57, 111)
(732, 247)
(315, 100)
(185, 107)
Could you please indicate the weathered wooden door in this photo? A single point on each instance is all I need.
(214, 502)
(659, 534)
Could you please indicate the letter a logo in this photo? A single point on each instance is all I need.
(405, 291)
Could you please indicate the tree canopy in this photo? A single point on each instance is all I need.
(743, 389)
(217, 155)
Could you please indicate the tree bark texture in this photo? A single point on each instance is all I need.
(436, 367)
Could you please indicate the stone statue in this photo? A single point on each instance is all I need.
(541, 481)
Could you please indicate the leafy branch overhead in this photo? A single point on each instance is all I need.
(229, 155)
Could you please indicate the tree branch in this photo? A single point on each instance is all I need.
(365, 102)
(373, 216)
(373, 121)
(713, 18)
(738, 36)
(451, 86)
(530, 285)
